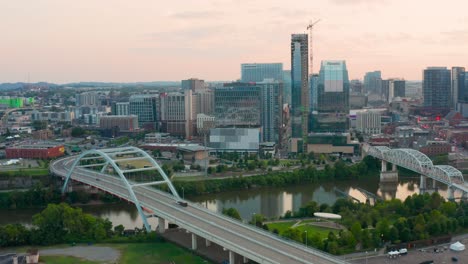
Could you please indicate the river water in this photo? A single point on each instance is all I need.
(271, 202)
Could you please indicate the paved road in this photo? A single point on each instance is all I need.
(259, 245)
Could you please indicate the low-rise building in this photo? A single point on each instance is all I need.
(36, 150)
(125, 123)
(434, 148)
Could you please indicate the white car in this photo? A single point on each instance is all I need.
(403, 251)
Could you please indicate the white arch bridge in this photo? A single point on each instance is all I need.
(129, 174)
(418, 162)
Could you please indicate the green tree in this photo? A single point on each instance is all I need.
(232, 212)
(293, 234)
(77, 132)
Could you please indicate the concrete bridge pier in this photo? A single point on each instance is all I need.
(388, 176)
(194, 241)
(232, 257)
(422, 184)
(451, 193)
(207, 243)
(245, 260)
(162, 225)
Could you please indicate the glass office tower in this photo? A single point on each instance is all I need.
(437, 87)
(257, 72)
(300, 85)
(332, 98)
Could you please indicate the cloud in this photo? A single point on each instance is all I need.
(195, 14)
(352, 2)
(186, 34)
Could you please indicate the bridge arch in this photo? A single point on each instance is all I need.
(409, 159)
(110, 159)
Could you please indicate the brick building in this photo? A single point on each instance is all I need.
(39, 150)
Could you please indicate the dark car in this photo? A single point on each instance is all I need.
(427, 262)
(182, 203)
(454, 259)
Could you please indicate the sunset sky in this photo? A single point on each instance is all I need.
(153, 40)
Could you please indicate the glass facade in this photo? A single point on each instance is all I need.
(238, 104)
(314, 78)
(299, 85)
(458, 86)
(145, 107)
(332, 98)
(436, 87)
(373, 82)
(235, 139)
(251, 104)
(257, 72)
(287, 87)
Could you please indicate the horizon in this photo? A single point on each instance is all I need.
(114, 41)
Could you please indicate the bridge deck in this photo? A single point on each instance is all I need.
(257, 244)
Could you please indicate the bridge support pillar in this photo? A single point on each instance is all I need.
(162, 225)
(394, 168)
(384, 166)
(207, 243)
(245, 259)
(450, 193)
(194, 241)
(422, 184)
(389, 176)
(232, 257)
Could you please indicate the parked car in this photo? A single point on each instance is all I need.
(403, 251)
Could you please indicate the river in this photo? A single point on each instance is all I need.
(271, 202)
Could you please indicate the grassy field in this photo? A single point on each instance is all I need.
(156, 253)
(311, 230)
(135, 163)
(64, 260)
(25, 172)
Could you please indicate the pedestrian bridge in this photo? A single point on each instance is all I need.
(131, 174)
(418, 162)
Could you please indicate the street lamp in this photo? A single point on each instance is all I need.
(254, 220)
(183, 193)
(306, 237)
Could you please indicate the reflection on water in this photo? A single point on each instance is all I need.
(270, 202)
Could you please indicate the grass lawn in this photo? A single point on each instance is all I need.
(64, 260)
(311, 230)
(156, 253)
(136, 163)
(25, 172)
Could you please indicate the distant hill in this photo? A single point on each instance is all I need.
(18, 85)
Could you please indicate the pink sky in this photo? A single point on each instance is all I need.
(147, 40)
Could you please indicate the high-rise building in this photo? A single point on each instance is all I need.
(237, 104)
(300, 85)
(313, 97)
(120, 108)
(373, 82)
(356, 86)
(193, 84)
(88, 99)
(146, 107)
(369, 122)
(177, 115)
(251, 105)
(396, 88)
(458, 86)
(287, 87)
(271, 109)
(436, 87)
(257, 72)
(333, 98)
(203, 102)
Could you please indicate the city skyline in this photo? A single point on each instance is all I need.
(114, 41)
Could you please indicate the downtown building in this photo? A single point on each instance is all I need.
(253, 105)
(257, 72)
(146, 107)
(193, 84)
(394, 88)
(437, 88)
(119, 123)
(373, 82)
(332, 98)
(459, 93)
(299, 91)
(120, 108)
(177, 113)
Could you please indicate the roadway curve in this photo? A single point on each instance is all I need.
(254, 243)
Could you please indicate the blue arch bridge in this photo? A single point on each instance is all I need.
(110, 171)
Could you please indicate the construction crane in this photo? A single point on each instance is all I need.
(305, 109)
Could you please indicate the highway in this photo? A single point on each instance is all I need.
(254, 243)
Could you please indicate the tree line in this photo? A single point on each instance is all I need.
(308, 174)
(60, 223)
(418, 217)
